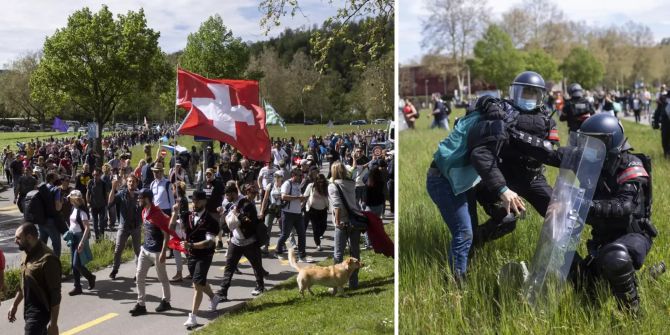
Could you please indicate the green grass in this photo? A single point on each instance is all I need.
(429, 304)
(10, 138)
(367, 310)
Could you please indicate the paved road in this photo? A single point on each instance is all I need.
(104, 311)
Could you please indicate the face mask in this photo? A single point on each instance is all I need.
(527, 104)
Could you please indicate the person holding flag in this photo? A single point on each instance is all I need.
(153, 252)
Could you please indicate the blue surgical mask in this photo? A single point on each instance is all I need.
(527, 104)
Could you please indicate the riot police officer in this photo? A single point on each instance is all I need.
(620, 214)
(661, 119)
(577, 108)
(508, 147)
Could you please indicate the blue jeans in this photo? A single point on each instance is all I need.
(288, 222)
(49, 231)
(444, 123)
(78, 269)
(99, 221)
(454, 211)
(341, 237)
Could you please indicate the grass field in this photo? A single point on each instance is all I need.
(429, 304)
(367, 310)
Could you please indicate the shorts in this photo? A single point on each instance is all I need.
(198, 267)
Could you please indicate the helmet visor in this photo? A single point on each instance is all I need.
(526, 97)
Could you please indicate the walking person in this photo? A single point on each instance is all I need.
(77, 236)
(342, 195)
(200, 230)
(241, 218)
(96, 196)
(317, 208)
(152, 253)
(40, 284)
(129, 219)
(292, 200)
(271, 204)
(162, 189)
(178, 227)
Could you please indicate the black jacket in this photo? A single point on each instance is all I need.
(575, 111)
(508, 144)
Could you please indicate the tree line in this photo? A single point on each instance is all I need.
(536, 35)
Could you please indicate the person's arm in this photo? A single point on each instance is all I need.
(264, 202)
(86, 235)
(166, 238)
(112, 195)
(58, 203)
(11, 315)
(89, 187)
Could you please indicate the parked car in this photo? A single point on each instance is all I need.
(5, 128)
(71, 129)
(310, 122)
(82, 129)
(358, 122)
(380, 121)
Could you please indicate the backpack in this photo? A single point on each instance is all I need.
(452, 155)
(34, 208)
(444, 109)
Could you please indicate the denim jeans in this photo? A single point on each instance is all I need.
(454, 211)
(78, 269)
(122, 236)
(269, 220)
(444, 123)
(290, 221)
(99, 221)
(49, 231)
(353, 236)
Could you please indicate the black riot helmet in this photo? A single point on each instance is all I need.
(528, 90)
(575, 90)
(607, 128)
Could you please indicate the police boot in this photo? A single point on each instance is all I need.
(616, 266)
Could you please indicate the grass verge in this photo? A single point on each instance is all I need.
(429, 304)
(367, 310)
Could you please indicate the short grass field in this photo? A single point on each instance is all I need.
(366, 310)
(431, 304)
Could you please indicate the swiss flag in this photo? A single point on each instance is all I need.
(225, 110)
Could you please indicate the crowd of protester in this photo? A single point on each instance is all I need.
(235, 204)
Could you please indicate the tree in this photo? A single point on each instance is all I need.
(372, 43)
(214, 52)
(515, 23)
(15, 91)
(496, 61)
(541, 62)
(582, 67)
(96, 62)
(453, 27)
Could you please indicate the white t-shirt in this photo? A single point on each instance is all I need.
(74, 226)
(267, 175)
(291, 188)
(278, 154)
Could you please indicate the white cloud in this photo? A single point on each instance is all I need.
(26, 23)
(652, 13)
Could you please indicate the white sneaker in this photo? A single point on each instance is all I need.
(191, 321)
(319, 248)
(214, 302)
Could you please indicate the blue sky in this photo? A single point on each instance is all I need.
(25, 23)
(653, 13)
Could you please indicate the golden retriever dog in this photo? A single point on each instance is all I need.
(335, 276)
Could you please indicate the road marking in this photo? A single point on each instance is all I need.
(90, 324)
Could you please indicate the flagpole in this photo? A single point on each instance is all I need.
(176, 94)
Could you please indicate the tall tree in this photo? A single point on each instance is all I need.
(376, 18)
(496, 60)
(97, 61)
(541, 62)
(15, 90)
(582, 67)
(214, 52)
(453, 27)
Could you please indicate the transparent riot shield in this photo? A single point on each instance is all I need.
(581, 164)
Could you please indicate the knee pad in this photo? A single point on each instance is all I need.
(614, 262)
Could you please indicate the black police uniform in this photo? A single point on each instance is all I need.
(622, 231)
(575, 111)
(662, 120)
(507, 150)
